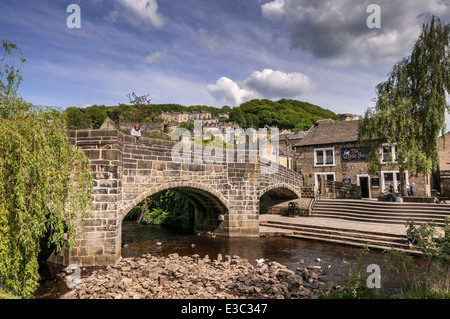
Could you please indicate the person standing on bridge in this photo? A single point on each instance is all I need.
(136, 131)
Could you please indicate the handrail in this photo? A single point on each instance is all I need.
(313, 201)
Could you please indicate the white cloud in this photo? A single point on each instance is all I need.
(274, 10)
(227, 90)
(154, 57)
(272, 84)
(140, 12)
(265, 84)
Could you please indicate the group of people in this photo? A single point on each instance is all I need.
(410, 189)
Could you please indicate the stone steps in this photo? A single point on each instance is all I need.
(350, 237)
(382, 212)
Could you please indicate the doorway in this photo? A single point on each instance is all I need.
(364, 183)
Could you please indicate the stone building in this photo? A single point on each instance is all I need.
(286, 158)
(443, 175)
(185, 117)
(288, 140)
(331, 149)
(224, 115)
(108, 124)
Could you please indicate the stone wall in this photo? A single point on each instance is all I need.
(338, 190)
(126, 171)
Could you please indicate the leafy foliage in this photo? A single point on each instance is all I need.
(430, 279)
(164, 208)
(354, 285)
(411, 105)
(284, 114)
(10, 71)
(44, 185)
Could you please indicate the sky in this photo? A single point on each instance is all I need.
(212, 52)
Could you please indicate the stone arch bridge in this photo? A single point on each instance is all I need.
(126, 171)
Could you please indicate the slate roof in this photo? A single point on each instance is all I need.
(330, 132)
(282, 151)
(293, 137)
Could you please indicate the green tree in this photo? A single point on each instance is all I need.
(77, 119)
(411, 105)
(45, 184)
(97, 114)
(142, 107)
(10, 76)
(164, 208)
(237, 116)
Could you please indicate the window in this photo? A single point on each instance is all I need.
(391, 177)
(388, 180)
(328, 177)
(324, 157)
(388, 153)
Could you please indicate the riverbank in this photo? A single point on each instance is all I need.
(193, 277)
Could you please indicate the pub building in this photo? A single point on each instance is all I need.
(331, 149)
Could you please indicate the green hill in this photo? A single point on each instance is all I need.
(284, 114)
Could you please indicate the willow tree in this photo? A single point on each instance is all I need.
(411, 105)
(45, 184)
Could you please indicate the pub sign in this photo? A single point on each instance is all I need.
(355, 154)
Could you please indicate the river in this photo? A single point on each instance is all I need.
(162, 241)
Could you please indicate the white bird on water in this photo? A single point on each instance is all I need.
(158, 243)
(260, 261)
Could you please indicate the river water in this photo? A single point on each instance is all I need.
(293, 253)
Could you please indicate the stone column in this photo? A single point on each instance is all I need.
(243, 202)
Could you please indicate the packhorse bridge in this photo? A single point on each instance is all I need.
(126, 171)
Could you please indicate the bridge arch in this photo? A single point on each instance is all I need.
(211, 209)
(280, 191)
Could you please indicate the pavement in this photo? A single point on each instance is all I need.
(396, 229)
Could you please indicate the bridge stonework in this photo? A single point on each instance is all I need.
(126, 171)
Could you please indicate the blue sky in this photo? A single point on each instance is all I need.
(211, 52)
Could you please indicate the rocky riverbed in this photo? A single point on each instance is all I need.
(192, 277)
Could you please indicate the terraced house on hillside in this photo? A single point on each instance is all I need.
(185, 117)
(331, 149)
